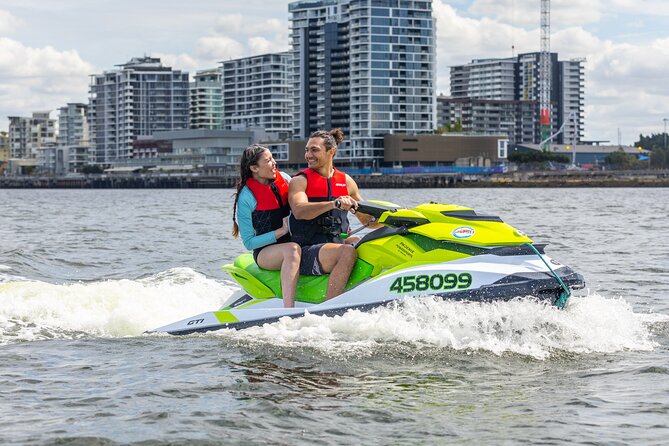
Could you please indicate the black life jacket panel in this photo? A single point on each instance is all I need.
(326, 227)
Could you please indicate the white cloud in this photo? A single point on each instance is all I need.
(626, 89)
(650, 7)
(241, 35)
(19, 61)
(576, 42)
(183, 62)
(641, 63)
(218, 48)
(248, 25)
(260, 45)
(461, 39)
(33, 79)
(275, 26)
(528, 12)
(8, 23)
(229, 23)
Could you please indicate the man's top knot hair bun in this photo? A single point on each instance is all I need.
(338, 135)
(330, 139)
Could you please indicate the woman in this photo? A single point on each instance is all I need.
(260, 215)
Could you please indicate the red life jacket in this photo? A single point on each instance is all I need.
(327, 226)
(272, 205)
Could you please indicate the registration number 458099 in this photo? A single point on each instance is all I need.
(434, 282)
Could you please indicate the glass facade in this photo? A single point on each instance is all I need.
(366, 66)
(206, 100)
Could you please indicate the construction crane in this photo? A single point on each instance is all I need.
(545, 74)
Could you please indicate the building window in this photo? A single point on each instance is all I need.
(502, 148)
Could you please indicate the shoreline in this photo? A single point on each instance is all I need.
(529, 179)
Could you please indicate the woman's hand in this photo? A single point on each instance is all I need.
(283, 230)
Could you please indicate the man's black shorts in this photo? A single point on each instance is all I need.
(309, 264)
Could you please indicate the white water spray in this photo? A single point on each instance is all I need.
(32, 311)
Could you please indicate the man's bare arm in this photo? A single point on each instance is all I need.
(299, 202)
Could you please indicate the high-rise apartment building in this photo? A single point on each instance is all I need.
(502, 95)
(19, 137)
(366, 66)
(570, 99)
(26, 135)
(73, 125)
(257, 94)
(206, 100)
(73, 138)
(141, 97)
(485, 79)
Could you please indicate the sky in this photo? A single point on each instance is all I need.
(49, 48)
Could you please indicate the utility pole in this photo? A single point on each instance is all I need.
(545, 73)
(665, 133)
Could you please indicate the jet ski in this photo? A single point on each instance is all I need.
(442, 250)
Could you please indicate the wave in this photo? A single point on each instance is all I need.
(589, 324)
(32, 311)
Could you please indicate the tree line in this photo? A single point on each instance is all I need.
(657, 143)
(658, 158)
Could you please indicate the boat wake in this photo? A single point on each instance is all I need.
(589, 324)
(592, 323)
(31, 311)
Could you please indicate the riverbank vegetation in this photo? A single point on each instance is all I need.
(657, 143)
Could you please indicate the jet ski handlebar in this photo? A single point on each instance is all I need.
(375, 209)
(389, 214)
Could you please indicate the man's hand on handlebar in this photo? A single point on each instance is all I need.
(346, 203)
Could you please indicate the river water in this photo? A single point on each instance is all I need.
(83, 273)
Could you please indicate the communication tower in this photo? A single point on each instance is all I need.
(545, 74)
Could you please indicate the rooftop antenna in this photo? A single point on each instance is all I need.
(545, 73)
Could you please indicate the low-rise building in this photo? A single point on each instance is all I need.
(445, 150)
(150, 148)
(410, 151)
(211, 152)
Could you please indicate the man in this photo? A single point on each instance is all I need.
(320, 198)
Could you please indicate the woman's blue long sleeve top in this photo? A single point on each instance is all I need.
(246, 204)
